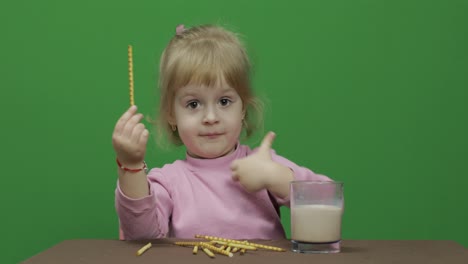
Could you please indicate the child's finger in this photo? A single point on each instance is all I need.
(143, 138)
(267, 142)
(123, 119)
(130, 125)
(234, 165)
(136, 133)
(235, 176)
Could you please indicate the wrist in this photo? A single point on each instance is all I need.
(132, 167)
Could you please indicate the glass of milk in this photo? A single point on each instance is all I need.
(316, 213)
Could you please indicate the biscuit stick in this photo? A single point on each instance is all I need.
(215, 249)
(208, 252)
(130, 74)
(241, 243)
(143, 249)
(187, 243)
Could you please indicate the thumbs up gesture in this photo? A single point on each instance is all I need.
(259, 171)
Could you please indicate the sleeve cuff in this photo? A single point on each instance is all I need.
(135, 205)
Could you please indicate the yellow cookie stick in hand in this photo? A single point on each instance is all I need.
(130, 74)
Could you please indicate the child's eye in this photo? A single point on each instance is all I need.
(224, 102)
(193, 104)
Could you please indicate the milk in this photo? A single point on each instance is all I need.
(316, 223)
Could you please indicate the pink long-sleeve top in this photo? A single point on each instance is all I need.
(198, 196)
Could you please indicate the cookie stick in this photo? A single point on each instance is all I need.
(130, 74)
(143, 249)
(215, 249)
(241, 242)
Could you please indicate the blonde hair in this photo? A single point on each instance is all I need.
(205, 55)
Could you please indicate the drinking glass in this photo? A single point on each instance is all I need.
(316, 213)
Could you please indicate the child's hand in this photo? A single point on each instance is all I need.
(129, 139)
(258, 170)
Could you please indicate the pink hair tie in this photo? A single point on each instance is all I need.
(180, 29)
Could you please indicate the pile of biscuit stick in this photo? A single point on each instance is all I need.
(219, 245)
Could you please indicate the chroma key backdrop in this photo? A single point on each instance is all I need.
(371, 93)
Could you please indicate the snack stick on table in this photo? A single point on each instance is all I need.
(215, 249)
(241, 242)
(187, 243)
(143, 249)
(234, 245)
(267, 247)
(208, 252)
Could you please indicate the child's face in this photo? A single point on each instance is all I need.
(208, 119)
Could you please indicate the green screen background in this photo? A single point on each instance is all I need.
(372, 93)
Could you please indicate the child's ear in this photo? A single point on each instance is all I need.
(244, 109)
(171, 119)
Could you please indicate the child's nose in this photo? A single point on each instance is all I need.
(210, 116)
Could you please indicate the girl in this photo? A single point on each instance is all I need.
(221, 188)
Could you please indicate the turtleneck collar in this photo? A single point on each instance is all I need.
(225, 160)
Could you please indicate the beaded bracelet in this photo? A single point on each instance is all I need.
(145, 168)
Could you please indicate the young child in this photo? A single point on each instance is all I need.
(221, 188)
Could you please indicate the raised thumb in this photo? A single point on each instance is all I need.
(267, 142)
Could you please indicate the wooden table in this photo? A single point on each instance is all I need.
(164, 251)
